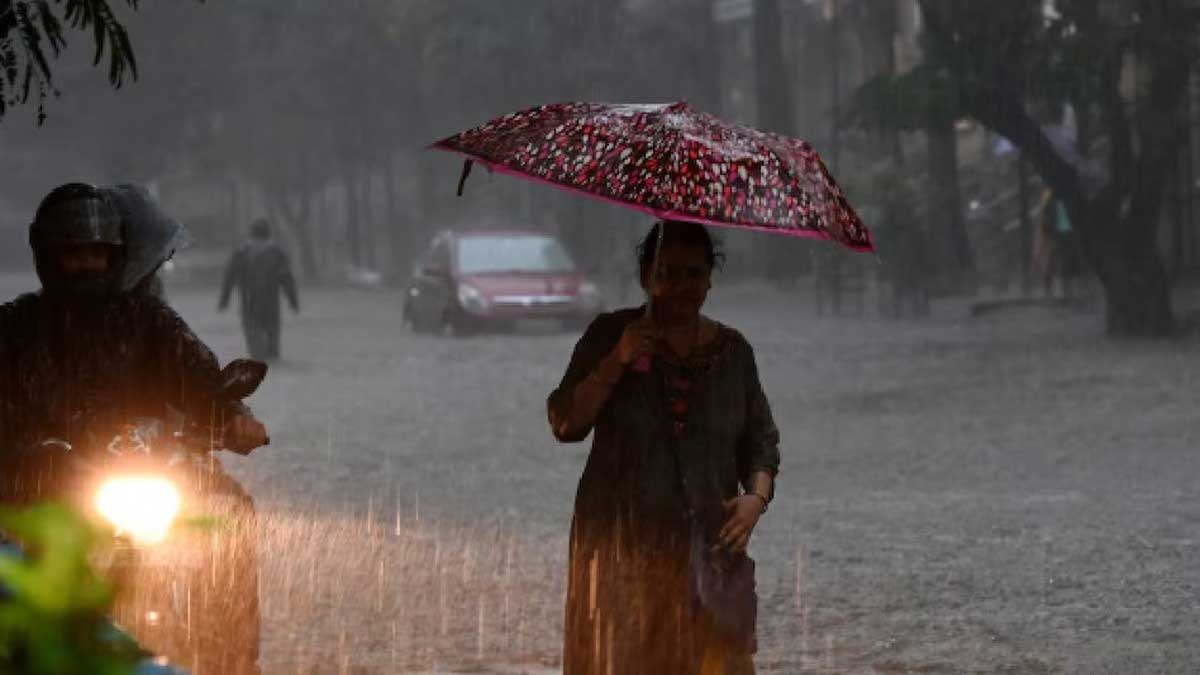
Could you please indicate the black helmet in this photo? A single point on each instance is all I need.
(75, 214)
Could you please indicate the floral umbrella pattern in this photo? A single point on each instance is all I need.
(673, 162)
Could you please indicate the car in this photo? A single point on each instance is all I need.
(473, 281)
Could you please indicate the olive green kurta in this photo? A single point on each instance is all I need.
(630, 606)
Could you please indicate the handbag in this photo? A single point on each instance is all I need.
(724, 587)
(722, 582)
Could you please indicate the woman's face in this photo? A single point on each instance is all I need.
(681, 284)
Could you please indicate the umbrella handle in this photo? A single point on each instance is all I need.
(466, 171)
(642, 365)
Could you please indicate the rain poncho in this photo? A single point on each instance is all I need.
(260, 270)
(151, 236)
(70, 365)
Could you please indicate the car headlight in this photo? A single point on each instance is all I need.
(471, 298)
(589, 294)
(143, 507)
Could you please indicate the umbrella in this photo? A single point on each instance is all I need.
(672, 162)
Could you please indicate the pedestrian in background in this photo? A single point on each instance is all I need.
(1056, 252)
(261, 271)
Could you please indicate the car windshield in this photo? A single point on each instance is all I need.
(524, 253)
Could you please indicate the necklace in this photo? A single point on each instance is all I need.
(691, 347)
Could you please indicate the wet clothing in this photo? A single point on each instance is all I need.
(72, 365)
(261, 271)
(631, 606)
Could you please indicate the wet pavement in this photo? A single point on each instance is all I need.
(1012, 492)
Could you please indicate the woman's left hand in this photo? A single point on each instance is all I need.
(741, 515)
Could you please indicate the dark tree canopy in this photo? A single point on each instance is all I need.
(1122, 65)
(33, 34)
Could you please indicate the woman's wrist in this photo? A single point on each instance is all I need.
(765, 502)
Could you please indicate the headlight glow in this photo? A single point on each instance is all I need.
(589, 294)
(141, 506)
(471, 298)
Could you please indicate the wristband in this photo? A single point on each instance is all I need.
(764, 499)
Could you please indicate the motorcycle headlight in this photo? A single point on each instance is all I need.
(471, 298)
(143, 507)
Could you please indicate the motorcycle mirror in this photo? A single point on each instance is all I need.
(241, 377)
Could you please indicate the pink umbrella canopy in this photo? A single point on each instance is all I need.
(672, 162)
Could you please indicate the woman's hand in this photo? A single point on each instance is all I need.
(741, 515)
(639, 339)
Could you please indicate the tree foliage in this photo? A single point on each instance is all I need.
(53, 604)
(33, 33)
(1122, 65)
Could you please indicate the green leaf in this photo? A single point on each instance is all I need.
(53, 620)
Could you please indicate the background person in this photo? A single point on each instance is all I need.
(261, 271)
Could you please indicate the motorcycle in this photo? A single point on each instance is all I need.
(184, 559)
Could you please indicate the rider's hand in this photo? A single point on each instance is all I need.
(741, 515)
(639, 339)
(244, 432)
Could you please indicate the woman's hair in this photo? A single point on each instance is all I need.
(681, 233)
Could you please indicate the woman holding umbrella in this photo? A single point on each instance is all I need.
(685, 451)
(682, 466)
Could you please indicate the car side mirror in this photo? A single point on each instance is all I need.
(241, 377)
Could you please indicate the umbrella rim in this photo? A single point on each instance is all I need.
(664, 214)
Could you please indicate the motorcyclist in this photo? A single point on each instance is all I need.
(91, 343)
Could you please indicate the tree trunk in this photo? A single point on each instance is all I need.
(775, 112)
(708, 76)
(428, 181)
(295, 220)
(1025, 233)
(773, 92)
(952, 248)
(295, 215)
(235, 203)
(1124, 255)
(884, 41)
(367, 219)
(396, 230)
(308, 259)
(353, 235)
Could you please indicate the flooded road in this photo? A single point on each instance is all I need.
(1013, 493)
